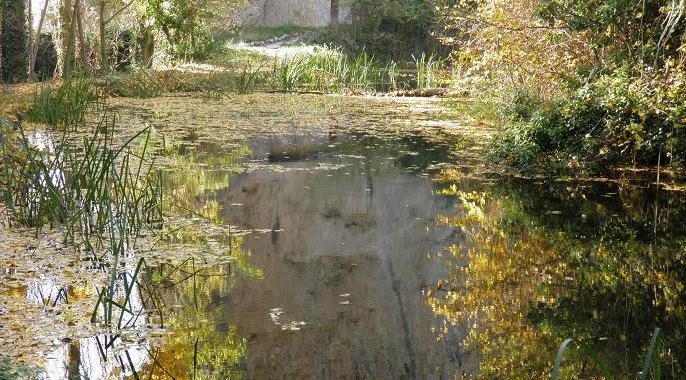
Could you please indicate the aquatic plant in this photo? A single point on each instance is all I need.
(426, 71)
(651, 360)
(392, 75)
(290, 73)
(65, 104)
(331, 70)
(48, 182)
(248, 78)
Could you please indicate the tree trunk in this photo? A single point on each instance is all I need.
(335, 10)
(146, 45)
(70, 49)
(29, 34)
(36, 40)
(65, 56)
(102, 23)
(83, 48)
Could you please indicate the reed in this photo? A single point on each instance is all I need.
(651, 362)
(65, 104)
(248, 78)
(427, 70)
(47, 181)
(331, 70)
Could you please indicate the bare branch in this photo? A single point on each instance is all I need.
(118, 12)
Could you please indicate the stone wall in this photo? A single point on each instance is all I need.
(308, 13)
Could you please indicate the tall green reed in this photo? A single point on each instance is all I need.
(248, 78)
(427, 68)
(70, 186)
(67, 103)
(331, 70)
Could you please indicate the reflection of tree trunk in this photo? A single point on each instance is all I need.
(74, 364)
(334, 12)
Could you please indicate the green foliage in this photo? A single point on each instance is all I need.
(386, 29)
(637, 30)
(13, 41)
(651, 361)
(187, 24)
(46, 57)
(12, 371)
(617, 119)
(67, 103)
(521, 105)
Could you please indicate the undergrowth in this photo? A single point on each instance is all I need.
(617, 119)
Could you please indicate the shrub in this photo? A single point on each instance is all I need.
(386, 29)
(617, 119)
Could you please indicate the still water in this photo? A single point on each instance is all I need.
(334, 237)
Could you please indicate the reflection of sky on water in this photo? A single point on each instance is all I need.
(90, 362)
(93, 358)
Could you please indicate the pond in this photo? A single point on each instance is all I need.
(351, 237)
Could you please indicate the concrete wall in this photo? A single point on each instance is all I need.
(308, 13)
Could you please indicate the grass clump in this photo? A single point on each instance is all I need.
(248, 78)
(146, 84)
(427, 71)
(331, 70)
(64, 104)
(48, 180)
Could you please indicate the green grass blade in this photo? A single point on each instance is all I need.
(652, 355)
(604, 371)
(558, 359)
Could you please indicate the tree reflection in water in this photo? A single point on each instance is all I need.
(601, 263)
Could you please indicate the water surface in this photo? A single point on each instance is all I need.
(343, 237)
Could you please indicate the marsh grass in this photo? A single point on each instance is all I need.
(651, 362)
(249, 77)
(67, 103)
(100, 194)
(427, 71)
(330, 71)
(48, 180)
(327, 70)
